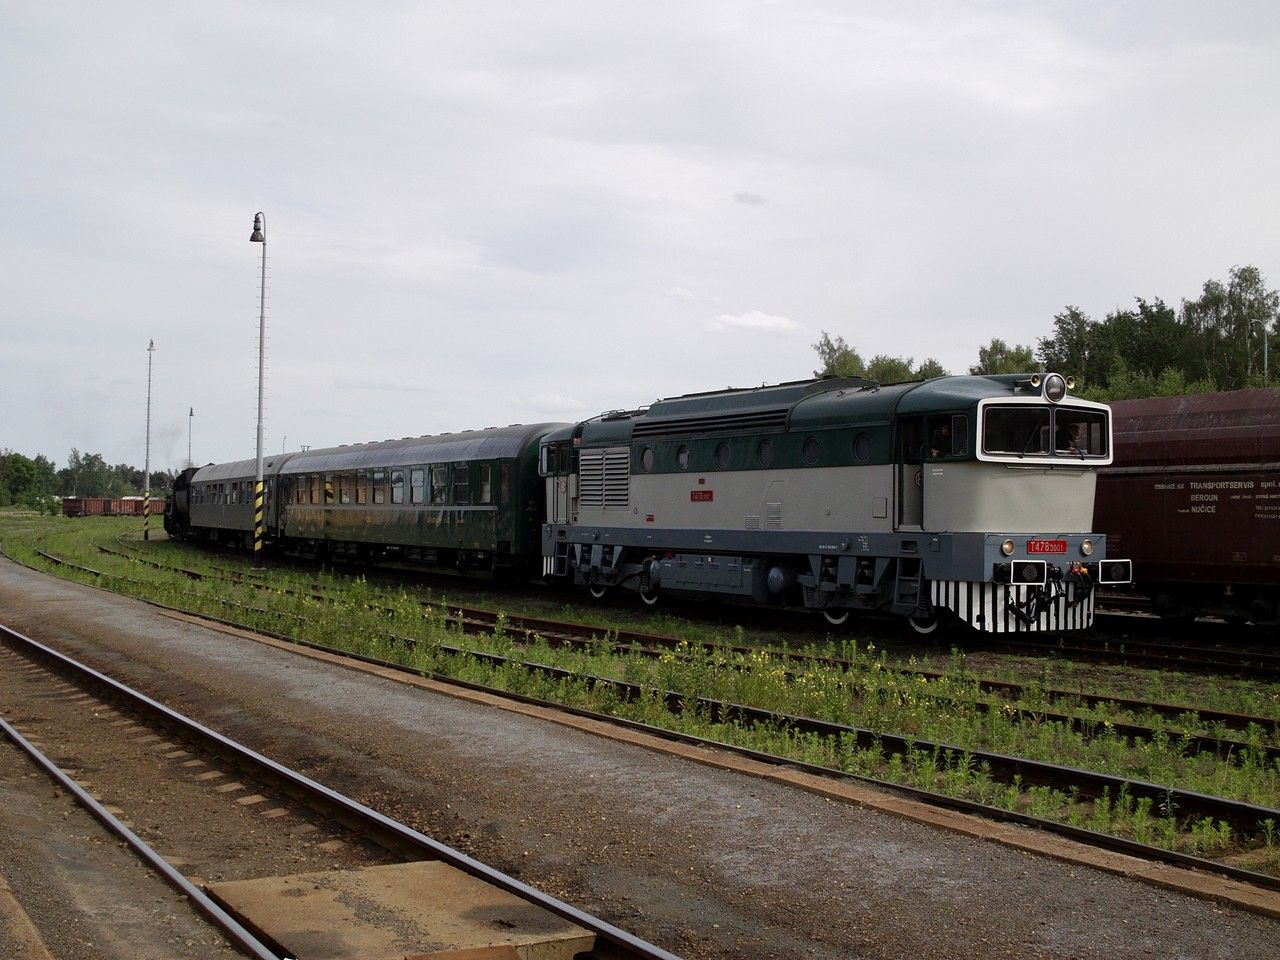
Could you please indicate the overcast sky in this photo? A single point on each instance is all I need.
(487, 213)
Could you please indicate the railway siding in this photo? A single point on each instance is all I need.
(709, 843)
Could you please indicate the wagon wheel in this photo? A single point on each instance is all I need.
(597, 590)
(835, 615)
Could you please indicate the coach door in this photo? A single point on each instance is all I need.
(909, 472)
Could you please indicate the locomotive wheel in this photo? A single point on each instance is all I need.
(924, 625)
(835, 615)
(597, 590)
(650, 597)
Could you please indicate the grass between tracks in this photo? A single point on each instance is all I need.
(367, 619)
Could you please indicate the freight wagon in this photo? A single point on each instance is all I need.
(1193, 497)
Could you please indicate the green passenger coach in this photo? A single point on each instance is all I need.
(965, 497)
(468, 500)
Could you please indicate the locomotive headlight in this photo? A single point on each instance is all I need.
(1086, 547)
(1007, 548)
(1055, 388)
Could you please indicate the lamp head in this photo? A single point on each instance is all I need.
(257, 236)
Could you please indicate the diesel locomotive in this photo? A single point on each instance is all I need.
(965, 497)
(960, 497)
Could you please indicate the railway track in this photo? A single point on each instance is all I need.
(580, 636)
(1245, 819)
(202, 769)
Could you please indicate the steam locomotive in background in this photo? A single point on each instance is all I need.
(958, 497)
(1193, 496)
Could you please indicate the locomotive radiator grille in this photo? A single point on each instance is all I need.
(1015, 608)
(604, 478)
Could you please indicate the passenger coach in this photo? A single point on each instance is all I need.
(965, 496)
(468, 500)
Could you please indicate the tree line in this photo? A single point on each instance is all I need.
(31, 481)
(1214, 342)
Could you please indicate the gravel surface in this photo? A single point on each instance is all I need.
(704, 862)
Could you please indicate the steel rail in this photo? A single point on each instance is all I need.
(1081, 834)
(1090, 837)
(473, 620)
(228, 924)
(1143, 653)
(391, 833)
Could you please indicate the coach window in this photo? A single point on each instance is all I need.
(417, 485)
(362, 487)
(379, 481)
(397, 486)
(329, 490)
(682, 457)
(345, 482)
(504, 485)
(315, 488)
(484, 483)
(462, 484)
(440, 484)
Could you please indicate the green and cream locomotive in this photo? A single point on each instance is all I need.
(965, 497)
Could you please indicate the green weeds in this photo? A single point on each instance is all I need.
(394, 624)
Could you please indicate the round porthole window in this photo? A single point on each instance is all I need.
(862, 448)
(646, 459)
(722, 456)
(682, 457)
(764, 453)
(811, 450)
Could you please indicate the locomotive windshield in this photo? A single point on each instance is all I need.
(1034, 431)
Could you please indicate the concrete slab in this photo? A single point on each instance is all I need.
(422, 909)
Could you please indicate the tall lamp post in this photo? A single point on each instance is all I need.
(146, 469)
(191, 413)
(1266, 372)
(259, 235)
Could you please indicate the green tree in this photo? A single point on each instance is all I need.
(838, 358)
(86, 475)
(17, 476)
(929, 369)
(999, 357)
(1070, 350)
(885, 369)
(1218, 325)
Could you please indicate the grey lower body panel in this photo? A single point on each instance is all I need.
(911, 573)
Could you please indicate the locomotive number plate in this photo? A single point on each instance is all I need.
(1046, 546)
(701, 496)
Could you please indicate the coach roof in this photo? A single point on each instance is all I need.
(490, 444)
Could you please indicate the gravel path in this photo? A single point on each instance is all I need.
(704, 862)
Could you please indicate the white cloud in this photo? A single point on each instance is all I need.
(473, 225)
(753, 321)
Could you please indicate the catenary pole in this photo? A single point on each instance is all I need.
(259, 235)
(146, 469)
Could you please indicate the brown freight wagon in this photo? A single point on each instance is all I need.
(1193, 497)
(103, 506)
